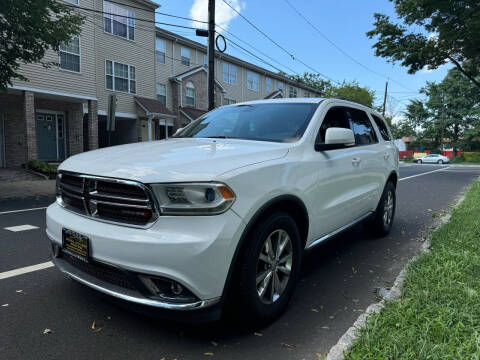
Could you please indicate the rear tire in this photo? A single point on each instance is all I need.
(440, 162)
(269, 271)
(383, 217)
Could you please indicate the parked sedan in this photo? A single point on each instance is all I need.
(433, 159)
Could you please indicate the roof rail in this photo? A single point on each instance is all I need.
(355, 101)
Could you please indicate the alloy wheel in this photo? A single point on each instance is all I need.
(388, 208)
(274, 266)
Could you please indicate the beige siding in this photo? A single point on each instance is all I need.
(139, 53)
(165, 71)
(56, 79)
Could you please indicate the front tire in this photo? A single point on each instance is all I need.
(385, 213)
(269, 268)
(420, 161)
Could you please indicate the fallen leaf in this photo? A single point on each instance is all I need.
(47, 331)
(289, 346)
(325, 327)
(208, 353)
(110, 318)
(314, 310)
(5, 305)
(18, 291)
(354, 270)
(258, 334)
(213, 343)
(345, 308)
(93, 325)
(355, 300)
(332, 317)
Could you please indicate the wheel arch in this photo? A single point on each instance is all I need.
(393, 177)
(292, 205)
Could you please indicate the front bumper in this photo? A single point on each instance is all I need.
(195, 252)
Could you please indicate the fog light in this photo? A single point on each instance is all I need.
(56, 250)
(176, 288)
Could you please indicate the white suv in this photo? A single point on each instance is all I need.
(224, 210)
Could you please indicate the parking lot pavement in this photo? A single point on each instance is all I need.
(338, 282)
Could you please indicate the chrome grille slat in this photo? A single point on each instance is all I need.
(122, 202)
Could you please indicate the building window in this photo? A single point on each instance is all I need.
(280, 85)
(252, 81)
(118, 21)
(190, 94)
(227, 101)
(268, 84)
(120, 77)
(205, 60)
(229, 73)
(160, 51)
(292, 92)
(185, 55)
(162, 94)
(70, 55)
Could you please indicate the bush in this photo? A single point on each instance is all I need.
(471, 156)
(458, 159)
(43, 167)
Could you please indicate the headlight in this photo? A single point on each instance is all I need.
(193, 198)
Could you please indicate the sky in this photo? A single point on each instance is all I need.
(344, 22)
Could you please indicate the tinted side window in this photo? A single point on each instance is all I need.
(362, 127)
(335, 117)
(382, 127)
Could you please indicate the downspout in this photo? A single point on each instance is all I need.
(150, 117)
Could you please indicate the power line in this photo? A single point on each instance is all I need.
(278, 45)
(252, 54)
(259, 51)
(343, 51)
(158, 12)
(147, 49)
(129, 17)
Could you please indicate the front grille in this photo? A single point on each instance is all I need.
(100, 271)
(113, 200)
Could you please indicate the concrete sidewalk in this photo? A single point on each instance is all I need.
(19, 183)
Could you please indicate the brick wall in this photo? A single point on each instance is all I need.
(92, 125)
(29, 126)
(11, 107)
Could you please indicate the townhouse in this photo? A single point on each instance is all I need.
(158, 80)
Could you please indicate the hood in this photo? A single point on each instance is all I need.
(187, 159)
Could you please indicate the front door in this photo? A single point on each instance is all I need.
(50, 136)
(2, 142)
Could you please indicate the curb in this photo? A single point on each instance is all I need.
(344, 344)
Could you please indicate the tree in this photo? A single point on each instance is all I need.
(28, 28)
(433, 33)
(314, 81)
(451, 111)
(353, 91)
(348, 90)
(401, 129)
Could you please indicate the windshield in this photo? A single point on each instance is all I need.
(263, 122)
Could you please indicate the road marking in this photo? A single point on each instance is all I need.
(21, 228)
(425, 173)
(25, 270)
(22, 210)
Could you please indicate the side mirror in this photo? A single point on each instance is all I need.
(336, 138)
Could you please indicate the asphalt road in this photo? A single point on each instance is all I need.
(339, 279)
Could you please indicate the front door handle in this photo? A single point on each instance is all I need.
(356, 161)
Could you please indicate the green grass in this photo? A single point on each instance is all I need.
(438, 316)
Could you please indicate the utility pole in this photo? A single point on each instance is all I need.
(385, 98)
(211, 54)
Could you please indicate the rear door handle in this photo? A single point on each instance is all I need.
(356, 161)
(386, 156)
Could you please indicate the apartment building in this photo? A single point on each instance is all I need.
(159, 80)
